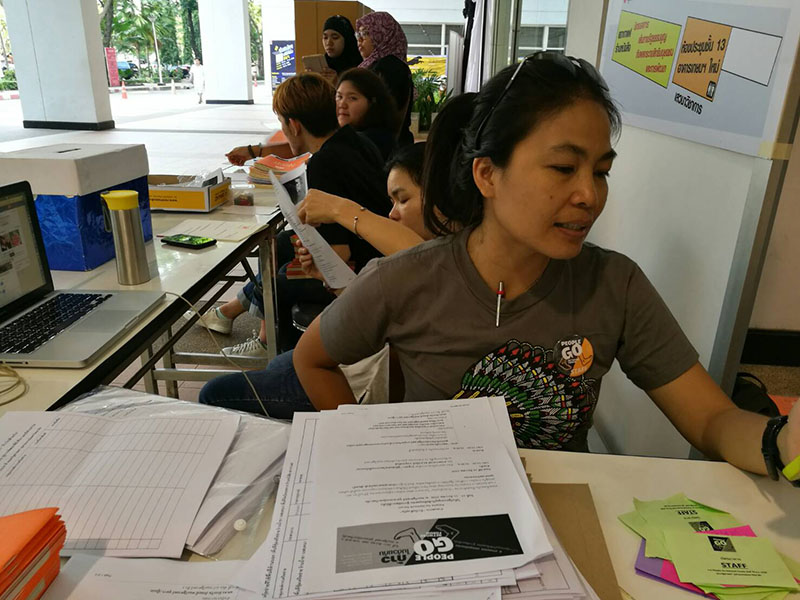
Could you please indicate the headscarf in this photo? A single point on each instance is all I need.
(387, 37)
(349, 57)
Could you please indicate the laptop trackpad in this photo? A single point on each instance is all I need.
(104, 321)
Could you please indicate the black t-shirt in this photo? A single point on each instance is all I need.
(350, 166)
(397, 77)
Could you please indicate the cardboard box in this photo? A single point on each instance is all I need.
(66, 180)
(167, 193)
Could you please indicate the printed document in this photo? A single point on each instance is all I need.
(124, 487)
(335, 271)
(416, 490)
(223, 231)
(278, 568)
(87, 577)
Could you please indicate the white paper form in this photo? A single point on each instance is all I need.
(87, 577)
(416, 490)
(277, 569)
(256, 450)
(335, 271)
(124, 487)
(224, 231)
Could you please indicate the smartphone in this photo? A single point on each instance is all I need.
(188, 241)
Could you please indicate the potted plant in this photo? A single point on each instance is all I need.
(428, 97)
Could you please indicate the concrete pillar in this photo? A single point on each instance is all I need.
(225, 36)
(58, 56)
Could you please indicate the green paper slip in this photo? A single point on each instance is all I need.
(674, 513)
(745, 593)
(717, 559)
(756, 596)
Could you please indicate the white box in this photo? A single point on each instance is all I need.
(74, 169)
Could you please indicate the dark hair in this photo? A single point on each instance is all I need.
(409, 158)
(444, 139)
(542, 88)
(309, 98)
(382, 111)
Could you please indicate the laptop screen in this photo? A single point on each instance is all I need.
(21, 267)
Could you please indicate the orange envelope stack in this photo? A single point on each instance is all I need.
(31, 542)
(259, 171)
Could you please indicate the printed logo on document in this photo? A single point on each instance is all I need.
(423, 541)
(721, 544)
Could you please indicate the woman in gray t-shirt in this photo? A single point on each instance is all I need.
(516, 304)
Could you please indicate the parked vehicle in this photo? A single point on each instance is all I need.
(127, 69)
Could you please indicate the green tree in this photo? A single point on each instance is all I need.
(256, 37)
(106, 20)
(166, 14)
(191, 30)
(131, 32)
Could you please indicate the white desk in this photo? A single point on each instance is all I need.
(772, 508)
(189, 273)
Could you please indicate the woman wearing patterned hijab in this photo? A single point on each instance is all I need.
(339, 41)
(383, 46)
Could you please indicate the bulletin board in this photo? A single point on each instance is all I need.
(694, 189)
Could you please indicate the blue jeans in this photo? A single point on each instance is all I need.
(277, 386)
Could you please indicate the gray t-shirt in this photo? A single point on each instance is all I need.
(554, 343)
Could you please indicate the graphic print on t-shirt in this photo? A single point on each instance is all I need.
(545, 406)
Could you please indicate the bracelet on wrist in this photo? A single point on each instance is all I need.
(772, 454)
(250, 150)
(355, 222)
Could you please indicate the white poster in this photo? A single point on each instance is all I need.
(714, 71)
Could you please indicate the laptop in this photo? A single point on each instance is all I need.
(42, 327)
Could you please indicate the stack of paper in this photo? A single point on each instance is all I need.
(29, 551)
(259, 170)
(247, 475)
(422, 499)
(707, 551)
(125, 486)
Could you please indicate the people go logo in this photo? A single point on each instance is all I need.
(438, 548)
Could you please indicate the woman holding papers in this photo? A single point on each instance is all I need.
(515, 304)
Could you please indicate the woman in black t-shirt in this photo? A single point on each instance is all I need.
(364, 103)
(383, 45)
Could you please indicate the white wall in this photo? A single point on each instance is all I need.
(778, 295)
(534, 12)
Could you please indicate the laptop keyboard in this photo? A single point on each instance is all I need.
(40, 325)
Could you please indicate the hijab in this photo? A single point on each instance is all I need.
(349, 57)
(387, 37)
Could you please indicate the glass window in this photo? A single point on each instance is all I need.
(459, 29)
(531, 37)
(557, 37)
(423, 34)
(424, 51)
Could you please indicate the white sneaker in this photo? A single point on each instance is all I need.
(214, 320)
(252, 348)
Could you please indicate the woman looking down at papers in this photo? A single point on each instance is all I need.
(515, 304)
